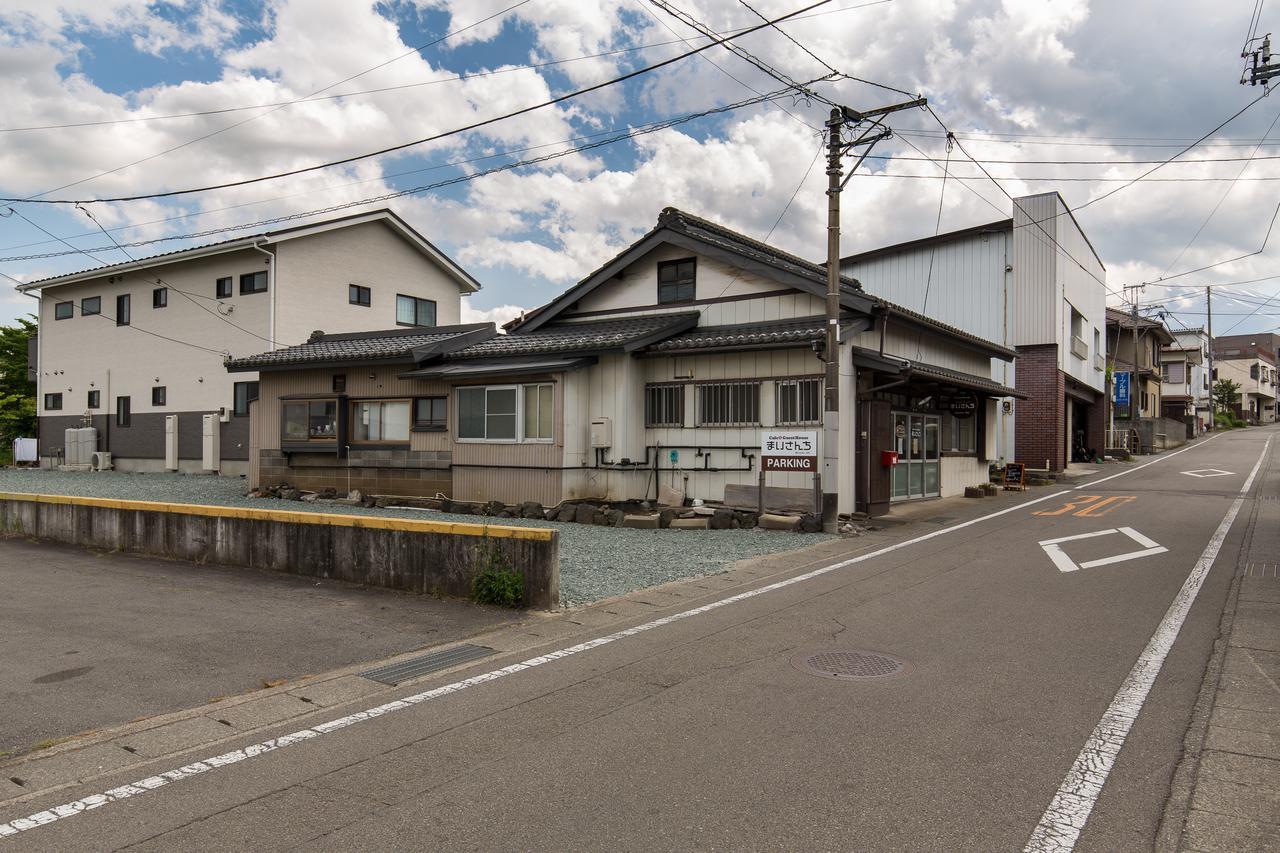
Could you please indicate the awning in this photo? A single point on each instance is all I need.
(945, 376)
(497, 367)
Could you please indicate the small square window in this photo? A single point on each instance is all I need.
(254, 282)
(52, 402)
(677, 281)
(95, 400)
(90, 305)
(64, 310)
(123, 415)
(358, 295)
(244, 394)
(122, 309)
(222, 288)
(339, 383)
(160, 297)
(158, 395)
(430, 413)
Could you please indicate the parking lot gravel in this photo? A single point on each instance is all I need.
(595, 562)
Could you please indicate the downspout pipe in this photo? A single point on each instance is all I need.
(271, 288)
(39, 364)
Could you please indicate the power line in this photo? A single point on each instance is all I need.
(653, 128)
(400, 147)
(788, 37)
(276, 109)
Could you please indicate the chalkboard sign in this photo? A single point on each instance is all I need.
(1015, 475)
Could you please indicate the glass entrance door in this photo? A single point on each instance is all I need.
(917, 474)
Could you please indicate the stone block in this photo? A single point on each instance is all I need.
(666, 517)
(975, 492)
(769, 521)
(689, 523)
(584, 513)
(722, 519)
(668, 496)
(641, 522)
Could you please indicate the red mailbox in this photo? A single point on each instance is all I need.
(888, 458)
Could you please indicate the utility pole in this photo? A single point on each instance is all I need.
(836, 149)
(1135, 384)
(1208, 310)
(1260, 68)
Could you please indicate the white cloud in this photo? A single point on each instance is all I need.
(499, 315)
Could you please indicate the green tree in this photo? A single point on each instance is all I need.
(1226, 393)
(17, 391)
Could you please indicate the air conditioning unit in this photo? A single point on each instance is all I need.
(224, 414)
(101, 460)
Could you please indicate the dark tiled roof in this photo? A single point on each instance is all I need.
(745, 335)
(595, 336)
(389, 345)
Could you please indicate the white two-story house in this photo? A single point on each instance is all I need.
(1034, 283)
(123, 347)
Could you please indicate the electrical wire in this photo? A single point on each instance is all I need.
(432, 138)
(788, 37)
(933, 248)
(470, 176)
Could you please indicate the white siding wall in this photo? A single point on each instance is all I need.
(1083, 291)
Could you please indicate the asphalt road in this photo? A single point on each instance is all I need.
(90, 639)
(700, 733)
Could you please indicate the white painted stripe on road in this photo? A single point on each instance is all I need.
(95, 801)
(1092, 483)
(1062, 822)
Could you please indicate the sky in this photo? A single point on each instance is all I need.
(110, 98)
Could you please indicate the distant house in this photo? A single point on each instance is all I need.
(1184, 378)
(1144, 368)
(1033, 283)
(130, 345)
(661, 368)
(1252, 366)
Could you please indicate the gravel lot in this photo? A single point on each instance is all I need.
(595, 562)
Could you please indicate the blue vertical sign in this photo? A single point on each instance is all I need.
(1122, 389)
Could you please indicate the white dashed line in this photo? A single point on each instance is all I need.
(1060, 826)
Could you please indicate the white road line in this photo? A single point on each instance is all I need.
(1092, 483)
(1062, 822)
(96, 801)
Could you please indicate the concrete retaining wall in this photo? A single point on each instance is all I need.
(417, 556)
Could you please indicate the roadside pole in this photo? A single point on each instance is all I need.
(1208, 309)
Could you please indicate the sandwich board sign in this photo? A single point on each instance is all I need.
(789, 451)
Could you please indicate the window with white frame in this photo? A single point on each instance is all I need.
(506, 413)
(380, 420)
(797, 401)
(729, 403)
(664, 405)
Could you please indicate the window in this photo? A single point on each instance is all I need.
(64, 310)
(160, 297)
(358, 295)
(412, 311)
(664, 405)
(310, 420)
(1253, 371)
(380, 420)
(430, 413)
(253, 282)
(243, 393)
(158, 395)
(676, 281)
(506, 413)
(797, 401)
(959, 435)
(339, 383)
(222, 288)
(539, 413)
(95, 400)
(52, 402)
(729, 404)
(90, 305)
(1175, 372)
(122, 309)
(123, 415)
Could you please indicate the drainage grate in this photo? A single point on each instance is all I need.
(849, 664)
(402, 671)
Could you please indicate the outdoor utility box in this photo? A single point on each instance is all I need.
(888, 458)
(79, 443)
(210, 449)
(25, 450)
(71, 446)
(171, 442)
(601, 432)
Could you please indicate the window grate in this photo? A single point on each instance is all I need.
(797, 401)
(664, 405)
(729, 404)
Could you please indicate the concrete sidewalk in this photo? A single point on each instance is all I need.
(1226, 794)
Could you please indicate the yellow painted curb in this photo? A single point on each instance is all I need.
(407, 525)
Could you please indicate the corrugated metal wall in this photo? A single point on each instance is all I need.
(1035, 300)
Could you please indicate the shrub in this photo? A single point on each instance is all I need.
(495, 581)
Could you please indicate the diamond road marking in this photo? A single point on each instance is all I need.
(1053, 547)
(1208, 472)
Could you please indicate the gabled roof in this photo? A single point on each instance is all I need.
(391, 346)
(925, 242)
(1125, 320)
(266, 238)
(763, 335)
(712, 240)
(625, 334)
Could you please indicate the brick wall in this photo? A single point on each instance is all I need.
(1040, 428)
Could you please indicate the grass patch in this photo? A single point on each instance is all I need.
(496, 582)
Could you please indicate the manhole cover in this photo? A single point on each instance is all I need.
(849, 664)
